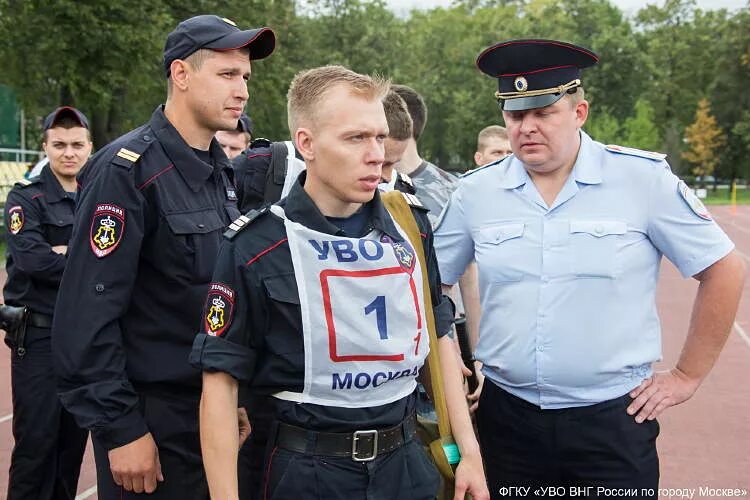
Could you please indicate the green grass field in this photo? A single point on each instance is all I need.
(721, 196)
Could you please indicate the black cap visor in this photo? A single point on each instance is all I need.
(49, 121)
(261, 42)
(534, 102)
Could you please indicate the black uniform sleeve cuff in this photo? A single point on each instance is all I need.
(122, 431)
(444, 312)
(215, 354)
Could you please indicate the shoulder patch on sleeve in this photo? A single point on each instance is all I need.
(219, 309)
(16, 219)
(243, 221)
(695, 204)
(107, 229)
(651, 155)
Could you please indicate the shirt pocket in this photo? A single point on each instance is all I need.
(499, 251)
(284, 314)
(594, 247)
(57, 229)
(197, 235)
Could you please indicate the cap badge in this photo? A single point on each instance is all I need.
(521, 84)
(229, 21)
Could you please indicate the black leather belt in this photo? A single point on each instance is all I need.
(360, 446)
(39, 320)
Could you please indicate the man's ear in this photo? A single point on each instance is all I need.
(180, 72)
(478, 158)
(582, 112)
(303, 140)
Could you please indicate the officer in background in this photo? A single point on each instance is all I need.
(568, 235)
(234, 142)
(148, 227)
(400, 129)
(49, 446)
(492, 145)
(266, 311)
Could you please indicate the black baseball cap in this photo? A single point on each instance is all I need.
(534, 73)
(245, 124)
(215, 33)
(53, 117)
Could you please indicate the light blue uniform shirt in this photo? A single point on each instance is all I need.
(568, 291)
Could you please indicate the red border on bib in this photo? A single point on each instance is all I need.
(327, 307)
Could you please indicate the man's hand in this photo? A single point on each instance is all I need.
(135, 466)
(473, 398)
(244, 424)
(662, 390)
(61, 249)
(470, 479)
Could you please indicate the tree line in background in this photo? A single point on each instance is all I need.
(672, 78)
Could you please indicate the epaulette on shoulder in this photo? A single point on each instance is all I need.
(128, 155)
(260, 142)
(650, 155)
(22, 183)
(479, 169)
(243, 221)
(406, 179)
(413, 201)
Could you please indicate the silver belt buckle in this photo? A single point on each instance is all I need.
(355, 451)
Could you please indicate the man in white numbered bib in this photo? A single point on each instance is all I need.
(320, 302)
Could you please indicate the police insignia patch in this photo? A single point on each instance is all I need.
(107, 228)
(219, 309)
(15, 214)
(695, 204)
(403, 251)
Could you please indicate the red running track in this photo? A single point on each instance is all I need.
(704, 442)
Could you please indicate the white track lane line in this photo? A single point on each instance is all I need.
(742, 333)
(86, 494)
(5, 418)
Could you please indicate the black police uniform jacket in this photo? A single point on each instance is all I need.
(148, 227)
(43, 217)
(263, 344)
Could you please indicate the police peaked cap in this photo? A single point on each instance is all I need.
(215, 33)
(51, 120)
(534, 73)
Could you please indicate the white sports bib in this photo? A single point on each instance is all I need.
(363, 317)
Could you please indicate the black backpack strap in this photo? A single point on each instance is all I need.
(276, 173)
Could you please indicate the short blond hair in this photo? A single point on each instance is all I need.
(488, 132)
(309, 87)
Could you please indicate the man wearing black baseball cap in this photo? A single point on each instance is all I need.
(49, 446)
(153, 207)
(568, 235)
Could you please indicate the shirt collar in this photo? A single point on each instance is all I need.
(586, 170)
(299, 207)
(515, 174)
(54, 191)
(588, 166)
(193, 169)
